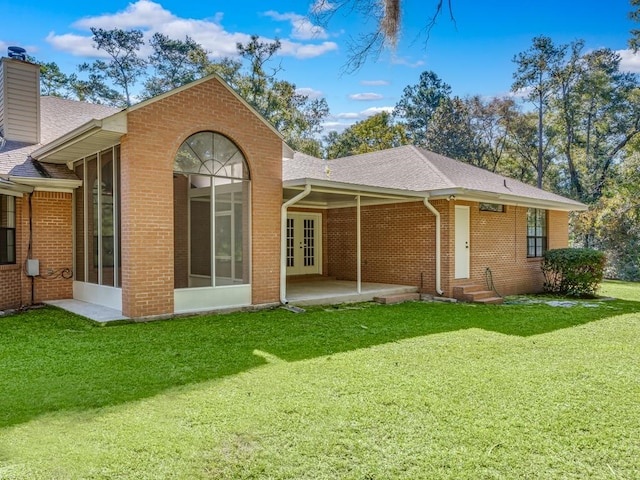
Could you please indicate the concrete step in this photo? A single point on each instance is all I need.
(397, 298)
(490, 301)
(475, 293)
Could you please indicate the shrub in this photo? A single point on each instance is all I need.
(575, 272)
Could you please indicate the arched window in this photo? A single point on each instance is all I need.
(209, 153)
(211, 213)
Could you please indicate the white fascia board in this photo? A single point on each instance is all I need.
(48, 184)
(328, 186)
(116, 124)
(515, 200)
(9, 187)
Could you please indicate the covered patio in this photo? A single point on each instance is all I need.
(328, 291)
(309, 195)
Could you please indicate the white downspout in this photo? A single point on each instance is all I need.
(433, 210)
(283, 241)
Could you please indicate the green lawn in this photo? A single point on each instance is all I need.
(418, 390)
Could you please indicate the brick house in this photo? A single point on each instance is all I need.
(191, 201)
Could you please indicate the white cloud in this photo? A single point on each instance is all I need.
(629, 61)
(365, 97)
(308, 50)
(301, 26)
(404, 61)
(374, 111)
(140, 14)
(81, 46)
(309, 93)
(362, 114)
(521, 93)
(151, 17)
(342, 121)
(374, 83)
(348, 115)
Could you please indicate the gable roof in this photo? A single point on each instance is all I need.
(422, 173)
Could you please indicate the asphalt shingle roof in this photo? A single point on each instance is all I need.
(58, 116)
(412, 169)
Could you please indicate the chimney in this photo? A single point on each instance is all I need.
(19, 98)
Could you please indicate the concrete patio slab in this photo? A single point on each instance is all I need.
(329, 292)
(97, 313)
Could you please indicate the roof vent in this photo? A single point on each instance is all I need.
(18, 53)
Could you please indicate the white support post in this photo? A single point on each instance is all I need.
(359, 246)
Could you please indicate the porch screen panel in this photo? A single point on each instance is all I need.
(97, 219)
(230, 231)
(118, 223)
(93, 225)
(79, 201)
(200, 229)
(107, 216)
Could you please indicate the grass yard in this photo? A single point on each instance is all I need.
(410, 391)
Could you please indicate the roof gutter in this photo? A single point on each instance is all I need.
(283, 241)
(46, 184)
(509, 199)
(10, 187)
(433, 210)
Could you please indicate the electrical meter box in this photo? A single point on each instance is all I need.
(33, 267)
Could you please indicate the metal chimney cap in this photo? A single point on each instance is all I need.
(18, 53)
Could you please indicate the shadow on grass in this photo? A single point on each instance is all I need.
(53, 361)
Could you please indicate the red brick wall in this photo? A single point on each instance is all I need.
(51, 244)
(499, 242)
(155, 132)
(398, 246)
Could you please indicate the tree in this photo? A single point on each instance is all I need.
(386, 15)
(537, 70)
(598, 112)
(95, 89)
(54, 82)
(175, 63)
(418, 104)
(451, 132)
(125, 66)
(293, 114)
(372, 134)
(634, 41)
(492, 122)
(255, 84)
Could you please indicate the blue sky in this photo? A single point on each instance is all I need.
(474, 55)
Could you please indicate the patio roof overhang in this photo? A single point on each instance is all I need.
(506, 199)
(331, 194)
(92, 137)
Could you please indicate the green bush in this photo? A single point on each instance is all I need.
(574, 272)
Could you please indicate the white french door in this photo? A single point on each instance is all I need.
(304, 243)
